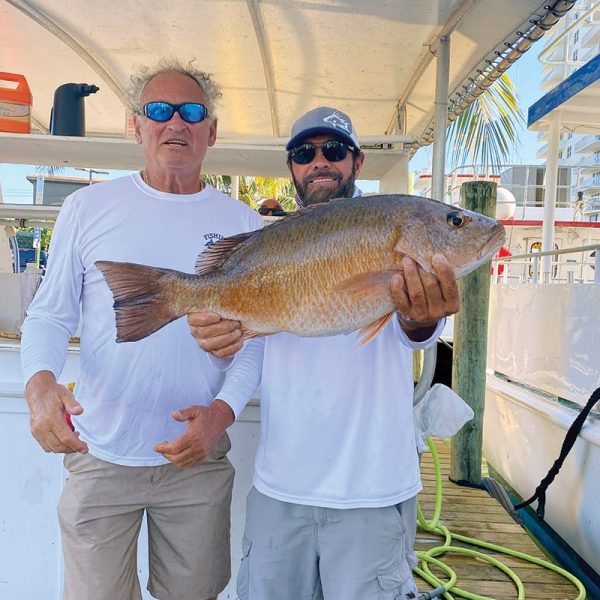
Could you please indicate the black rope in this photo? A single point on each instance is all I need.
(572, 433)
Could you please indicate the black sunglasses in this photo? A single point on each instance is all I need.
(332, 150)
(161, 111)
(269, 210)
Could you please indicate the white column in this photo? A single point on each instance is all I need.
(235, 186)
(550, 183)
(395, 181)
(438, 169)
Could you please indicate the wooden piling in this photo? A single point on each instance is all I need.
(470, 346)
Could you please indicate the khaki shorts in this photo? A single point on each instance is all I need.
(100, 513)
(297, 552)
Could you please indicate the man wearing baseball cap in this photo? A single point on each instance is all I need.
(332, 513)
(324, 156)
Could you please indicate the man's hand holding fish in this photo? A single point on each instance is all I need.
(422, 299)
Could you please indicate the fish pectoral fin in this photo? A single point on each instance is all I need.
(368, 332)
(247, 334)
(214, 256)
(366, 286)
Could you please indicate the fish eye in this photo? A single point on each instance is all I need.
(455, 219)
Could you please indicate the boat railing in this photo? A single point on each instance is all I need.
(583, 267)
(575, 187)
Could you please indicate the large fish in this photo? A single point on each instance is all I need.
(323, 270)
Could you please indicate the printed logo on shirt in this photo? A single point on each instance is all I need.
(211, 238)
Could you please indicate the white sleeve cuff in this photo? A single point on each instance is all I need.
(418, 345)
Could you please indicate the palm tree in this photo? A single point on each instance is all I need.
(254, 189)
(486, 132)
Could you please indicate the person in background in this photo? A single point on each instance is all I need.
(270, 207)
(332, 513)
(149, 417)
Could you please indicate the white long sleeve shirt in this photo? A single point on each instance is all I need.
(337, 424)
(129, 390)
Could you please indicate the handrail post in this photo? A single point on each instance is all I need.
(470, 346)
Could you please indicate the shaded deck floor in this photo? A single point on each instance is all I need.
(473, 513)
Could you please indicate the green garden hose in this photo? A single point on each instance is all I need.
(429, 558)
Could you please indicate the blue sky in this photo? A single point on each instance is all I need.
(526, 74)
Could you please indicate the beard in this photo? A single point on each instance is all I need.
(318, 195)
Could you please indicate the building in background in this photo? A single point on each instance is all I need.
(57, 187)
(569, 46)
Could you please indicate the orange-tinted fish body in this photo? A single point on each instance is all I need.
(321, 271)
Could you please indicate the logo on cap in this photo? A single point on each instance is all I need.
(337, 121)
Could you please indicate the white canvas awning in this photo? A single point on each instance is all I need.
(274, 59)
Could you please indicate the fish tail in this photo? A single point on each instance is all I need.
(141, 299)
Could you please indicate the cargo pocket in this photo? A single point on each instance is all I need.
(396, 583)
(243, 578)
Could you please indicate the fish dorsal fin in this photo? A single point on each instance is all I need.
(365, 286)
(300, 212)
(214, 256)
(368, 332)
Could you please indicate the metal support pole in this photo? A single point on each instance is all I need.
(550, 184)
(470, 347)
(438, 162)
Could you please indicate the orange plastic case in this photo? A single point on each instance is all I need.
(15, 103)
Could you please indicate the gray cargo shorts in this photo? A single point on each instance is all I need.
(301, 552)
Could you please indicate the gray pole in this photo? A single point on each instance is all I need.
(470, 346)
(438, 159)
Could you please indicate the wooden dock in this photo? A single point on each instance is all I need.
(474, 513)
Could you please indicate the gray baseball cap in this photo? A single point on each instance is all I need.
(323, 120)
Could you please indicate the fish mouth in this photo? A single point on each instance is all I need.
(497, 238)
(489, 249)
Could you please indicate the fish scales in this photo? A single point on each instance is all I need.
(312, 255)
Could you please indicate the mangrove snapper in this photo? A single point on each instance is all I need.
(323, 270)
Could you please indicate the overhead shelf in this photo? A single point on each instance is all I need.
(225, 158)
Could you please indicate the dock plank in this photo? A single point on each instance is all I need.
(473, 513)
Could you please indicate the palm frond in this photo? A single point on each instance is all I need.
(487, 131)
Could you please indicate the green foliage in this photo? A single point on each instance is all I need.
(25, 238)
(486, 132)
(254, 189)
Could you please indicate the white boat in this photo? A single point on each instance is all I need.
(544, 359)
(393, 66)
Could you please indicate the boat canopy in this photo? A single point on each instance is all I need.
(274, 59)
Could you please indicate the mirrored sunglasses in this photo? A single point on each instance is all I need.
(332, 150)
(190, 112)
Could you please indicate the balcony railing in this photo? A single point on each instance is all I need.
(590, 162)
(589, 143)
(591, 184)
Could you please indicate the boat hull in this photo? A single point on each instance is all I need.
(543, 359)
